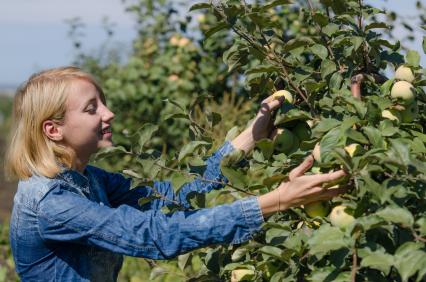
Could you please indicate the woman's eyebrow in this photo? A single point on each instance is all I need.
(90, 101)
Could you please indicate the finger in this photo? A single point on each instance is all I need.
(302, 168)
(318, 179)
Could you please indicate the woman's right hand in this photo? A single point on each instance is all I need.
(300, 189)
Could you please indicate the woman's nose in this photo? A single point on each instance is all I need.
(107, 114)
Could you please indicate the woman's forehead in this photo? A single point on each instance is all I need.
(80, 92)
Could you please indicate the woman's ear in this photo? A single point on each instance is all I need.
(52, 130)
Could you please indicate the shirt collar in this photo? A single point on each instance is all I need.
(75, 178)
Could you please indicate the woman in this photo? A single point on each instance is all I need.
(73, 222)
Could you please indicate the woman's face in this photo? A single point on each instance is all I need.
(87, 122)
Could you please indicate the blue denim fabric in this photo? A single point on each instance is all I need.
(76, 227)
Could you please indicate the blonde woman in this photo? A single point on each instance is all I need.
(73, 222)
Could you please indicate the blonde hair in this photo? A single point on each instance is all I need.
(43, 97)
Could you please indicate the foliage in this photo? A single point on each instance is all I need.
(7, 266)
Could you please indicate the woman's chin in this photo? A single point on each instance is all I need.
(105, 144)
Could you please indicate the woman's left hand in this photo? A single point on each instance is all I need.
(261, 127)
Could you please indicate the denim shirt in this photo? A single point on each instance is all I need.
(76, 227)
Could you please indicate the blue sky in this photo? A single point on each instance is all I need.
(34, 33)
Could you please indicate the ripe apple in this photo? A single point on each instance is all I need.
(320, 208)
(403, 90)
(353, 149)
(241, 275)
(340, 218)
(317, 152)
(410, 112)
(287, 95)
(391, 114)
(404, 73)
(285, 140)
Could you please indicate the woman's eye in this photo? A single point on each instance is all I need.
(91, 109)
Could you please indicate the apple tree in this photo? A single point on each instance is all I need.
(358, 114)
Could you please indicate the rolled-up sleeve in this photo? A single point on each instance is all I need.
(64, 215)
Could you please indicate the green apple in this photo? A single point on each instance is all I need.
(353, 149)
(242, 275)
(410, 112)
(302, 131)
(340, 218)
(320, 208)
(287, 95)
(284, 140)
(391, 114)
(404, 73)
(317, 152)
(403, 90)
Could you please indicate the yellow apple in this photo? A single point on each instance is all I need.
(241, 275)
(391, 114)
(340, 218)
(404, 73)
(287, 95)
(410, 112)
(317, 152)
(353, 149)
(320, 208)
(403, 90)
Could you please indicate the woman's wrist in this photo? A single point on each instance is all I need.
(244, 141)
(271, 202)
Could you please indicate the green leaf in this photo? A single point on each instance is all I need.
(320, 18)
(378, 260)
(375, 137)
(272, 251)
(235, 57)
(327, 68)
(396, 215)
(216, 28)
(179, 179)
(199, 6)
(157, 272)
(410, 258)
(189, 148)
(424, 44)
(376, 189)
(332, 140)
(319, 50)
(184, 260)
(275, 3)
(239, 253)
(293, 114)
(376, 25)
(327, 238)
(235, 177)
(325, 125)
(266, 146)
(413, 58)
(399, 152)
(296, 43)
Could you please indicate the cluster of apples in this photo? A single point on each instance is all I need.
(405, 93)
(287, 139)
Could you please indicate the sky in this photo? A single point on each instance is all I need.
(34, 35)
